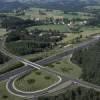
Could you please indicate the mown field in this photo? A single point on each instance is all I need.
(34, 13)
(66, 67)
(61, 28)
(87, 31)
(35, 80)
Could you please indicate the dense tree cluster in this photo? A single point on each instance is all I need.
(78, 93)
(10, 22)
(3, 58)
(23, 42)
(89, 60)
(94, 21)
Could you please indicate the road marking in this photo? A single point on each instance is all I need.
(61, 86)
(13, 84)
(30, 65)
(15, 93)
(60, 79)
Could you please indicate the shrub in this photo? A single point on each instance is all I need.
(31, 81)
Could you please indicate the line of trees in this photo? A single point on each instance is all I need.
(11, 22)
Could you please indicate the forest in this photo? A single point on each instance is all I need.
(12, 23)
(22, 42)
(89, 60)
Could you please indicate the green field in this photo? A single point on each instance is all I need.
(34, 13)
(34, 81)
(5, 95)
(87, 31)
(79, 15)
(61, 28)
(66, 67)
(90, 30)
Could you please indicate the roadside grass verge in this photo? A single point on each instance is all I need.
(5, 95)
(66, 67)
(36, 80)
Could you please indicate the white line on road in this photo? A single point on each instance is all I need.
(60, 79)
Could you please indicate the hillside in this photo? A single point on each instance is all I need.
(66, 5)
(8, 6)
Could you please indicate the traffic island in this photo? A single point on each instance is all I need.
(35, 81)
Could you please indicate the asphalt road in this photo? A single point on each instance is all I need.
(40, 64)
(35, 94)
(43, 62)
(7, 75)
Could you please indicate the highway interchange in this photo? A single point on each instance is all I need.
(29, 66)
